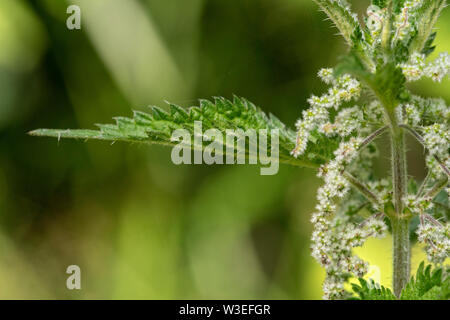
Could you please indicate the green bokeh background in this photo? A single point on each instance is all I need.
(137, 225)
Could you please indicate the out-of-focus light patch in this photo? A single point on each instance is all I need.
(312, 280)
(132, 49)
(442, 41)
(146, 264)
(378, 252)
(222, 257)
(418, 255)
(234, 273)
(19, 278)
(22, 36)
(8, 93)
(3, 189)
(374, 274)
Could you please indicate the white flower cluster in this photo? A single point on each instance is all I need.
(408, 114)
(418, 206)
(334, 237)
(344, 89)
(345, 123)
(326, 74)
(416, 67)
(412, 115)
(373, 112)
(437, 139)
(437, 109)
(439, 68)
(403, 23)
(432, 109)
(382, 190)
(337, 229)
(434, 167)
(437, 240)
(431, 117)
(333, 250)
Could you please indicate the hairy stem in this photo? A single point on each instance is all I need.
(364, 190)
(401, 254)
(433, 192)
(399, 172)
(400, 224)
(386, 31)
(423, 185)
(372, 137)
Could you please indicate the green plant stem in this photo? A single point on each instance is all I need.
(386, 31)
(400, 223)
(433, 192)
(364, 190)
(399, 172)
(423, 185)
(401, 254)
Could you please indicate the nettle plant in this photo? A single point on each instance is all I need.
(368, 97)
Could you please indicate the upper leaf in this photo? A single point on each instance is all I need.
(427, 285)
(369, 290)
(427, 17)
(341, 16)
(348, 25)
(222, 114)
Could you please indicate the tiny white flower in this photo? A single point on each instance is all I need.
(326, 74)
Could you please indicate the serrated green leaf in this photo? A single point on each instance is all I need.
(222, 114)
(341, 17)
(429, 47)
(352, 64)
(349, 27)
(427, 16)
(369, 290)
(428, 284)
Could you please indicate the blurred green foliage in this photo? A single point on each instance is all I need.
(137, 225)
